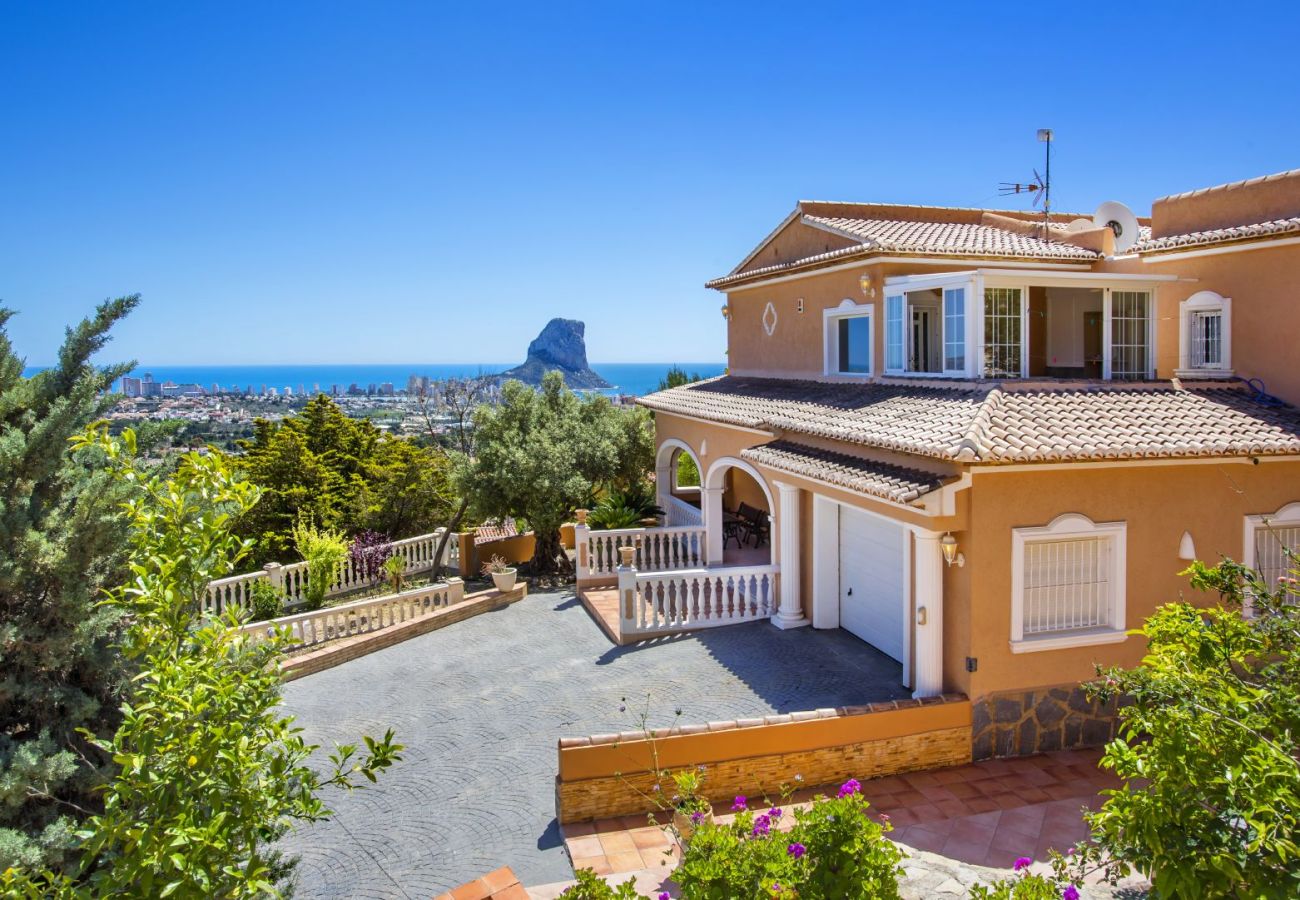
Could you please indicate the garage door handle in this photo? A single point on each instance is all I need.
(850, 592)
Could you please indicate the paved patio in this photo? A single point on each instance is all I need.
(986, 814)
(480, 706)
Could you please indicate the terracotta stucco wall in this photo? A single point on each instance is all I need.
(1158, 502)
(1277, 197)
(795, 347)
(1264, 286)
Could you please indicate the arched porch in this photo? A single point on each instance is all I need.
(738, 514)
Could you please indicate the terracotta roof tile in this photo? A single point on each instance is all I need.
(901, 484)
(878, 235)
(987, 422)
(950, 237)
(1275, 228)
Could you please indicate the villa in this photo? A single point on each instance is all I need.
(986, 441)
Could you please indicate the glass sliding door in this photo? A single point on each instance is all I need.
(1130, 350)
(894, 333)
(954, 329)
(1002, 333)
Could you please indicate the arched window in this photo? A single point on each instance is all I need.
(1204, 336)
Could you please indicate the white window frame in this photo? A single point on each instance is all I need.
(1286, 517)
(962, 282)
(1203, 302)
(831, 337)
(1065, 527)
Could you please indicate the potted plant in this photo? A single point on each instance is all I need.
(503, 574)
(690, 809)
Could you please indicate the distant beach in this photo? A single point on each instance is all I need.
(627, 378)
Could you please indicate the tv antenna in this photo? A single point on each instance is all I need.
(1041, 186)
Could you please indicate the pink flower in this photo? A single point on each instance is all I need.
(1023, 862)
(850, 787)
(1070, 893)
(740, 804)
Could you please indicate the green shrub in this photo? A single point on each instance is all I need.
(324, 551)
(626, 508)
(265, 601)
(835, 850)
(1208, 745)
(1026, 886)
(591, 886)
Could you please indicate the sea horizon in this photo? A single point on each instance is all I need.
(624, 378)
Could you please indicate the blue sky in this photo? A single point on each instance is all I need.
(432, 182)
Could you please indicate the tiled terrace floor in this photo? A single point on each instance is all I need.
(985, 814)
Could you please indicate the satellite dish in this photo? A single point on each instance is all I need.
(1120, 219)
(1080, 225)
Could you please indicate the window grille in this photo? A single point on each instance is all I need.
(1002, 329)
(1129, 350)
(1206, 339)
(1067, 585)
(1271, 543)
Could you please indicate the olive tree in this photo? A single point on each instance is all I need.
(540, 453)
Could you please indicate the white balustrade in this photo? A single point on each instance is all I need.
(233, 591)
(657, 549)
(290, 580)
(679, 512)
(657, 602)
(362, 616)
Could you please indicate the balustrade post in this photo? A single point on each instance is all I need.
(455, 590)
(627, 590)
(582, 545)
(274, 573)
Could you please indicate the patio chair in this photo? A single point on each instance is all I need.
(755, 524)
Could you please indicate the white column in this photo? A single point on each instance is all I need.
(712, 504)
(826, 563)
(664, 481)
(790, 614)
(928, 618)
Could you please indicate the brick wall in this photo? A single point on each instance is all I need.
(612, 775)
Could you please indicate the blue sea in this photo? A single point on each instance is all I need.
(627, 378)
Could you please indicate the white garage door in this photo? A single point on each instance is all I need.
(871, 580)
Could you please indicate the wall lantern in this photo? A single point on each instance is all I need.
(726, 312)
(864, 282)
(1186, 547)
(948, 544)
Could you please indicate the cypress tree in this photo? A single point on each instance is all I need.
(62, 542)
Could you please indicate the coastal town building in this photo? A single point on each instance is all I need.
(985, 442)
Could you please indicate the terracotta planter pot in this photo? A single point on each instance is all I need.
(505, 581)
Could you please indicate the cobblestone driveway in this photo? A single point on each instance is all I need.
(480, 705)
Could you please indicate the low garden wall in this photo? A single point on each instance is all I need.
(613, 774)
(328, 655)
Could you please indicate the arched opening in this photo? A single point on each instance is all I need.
(677, 479)
(743, 518)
